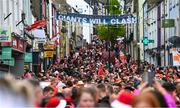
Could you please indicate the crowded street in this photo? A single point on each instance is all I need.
(84, 79)
(89, 54)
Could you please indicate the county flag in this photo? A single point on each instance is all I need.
(123, 57)
(101, 71)
(55, 39)
(37, 24)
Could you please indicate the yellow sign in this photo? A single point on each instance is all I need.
(48, 47)
(48, 54)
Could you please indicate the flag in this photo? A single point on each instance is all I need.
(37, 24)
(55, 38)
(101, 71)
(123, 57)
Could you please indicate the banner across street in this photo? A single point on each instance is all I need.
(97, 19)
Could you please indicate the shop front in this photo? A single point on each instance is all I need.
(12, 55)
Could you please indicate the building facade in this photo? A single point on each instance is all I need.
(12, 19)
(160, 52)
(151, 16)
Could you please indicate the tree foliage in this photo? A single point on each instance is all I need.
(111, 32)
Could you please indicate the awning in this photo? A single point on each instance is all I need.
(175, 40)
(39, 33)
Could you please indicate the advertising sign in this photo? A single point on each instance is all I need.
(168, 23)
(15, 43)
(41, 40)
(21, 45)
(48, 54)
(5, 34)
(48, 47)
(97, 19)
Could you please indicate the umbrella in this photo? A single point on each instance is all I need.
(175, 40)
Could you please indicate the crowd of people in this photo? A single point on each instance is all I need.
(88, 78)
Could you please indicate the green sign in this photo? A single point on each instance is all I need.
(10, 62)
(146, 41)
(168, 23)
(151, 41)
(5, 35)
(28, 57)
(6, 53)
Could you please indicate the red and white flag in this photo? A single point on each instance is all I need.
(123, 57)
(37, 24)
(55, 38)
(101, 71)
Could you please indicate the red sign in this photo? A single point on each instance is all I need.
(15, 43)
(6, 44)
(21, 45)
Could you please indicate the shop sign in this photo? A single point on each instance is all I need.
(48, 47)
(41, 40)
(6, 44)
(48, 54)
(28, 57)
(5, 35)
(6, 53)
(10, 62)
(168, 23)
(21, 45)
(15, 43)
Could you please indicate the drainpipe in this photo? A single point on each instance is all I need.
(137, 34)
(50, 19)
(164, 36)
